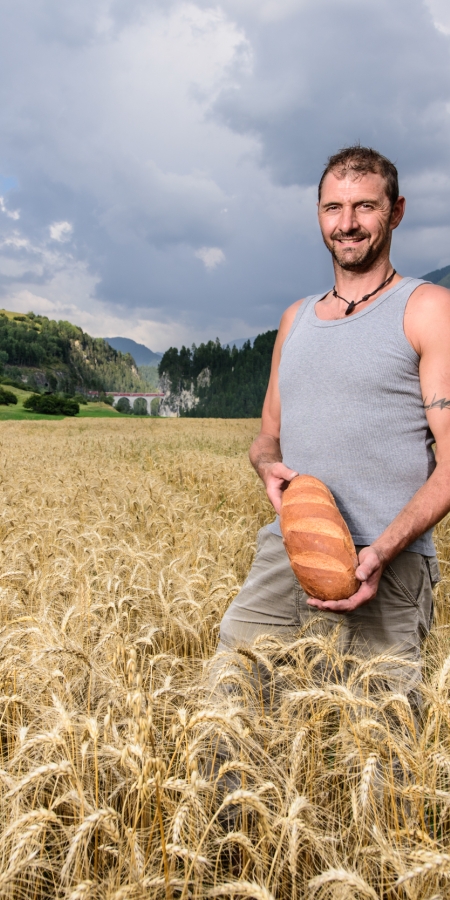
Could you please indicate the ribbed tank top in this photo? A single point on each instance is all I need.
(352, 412)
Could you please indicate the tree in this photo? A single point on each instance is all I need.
(123, 405)
(236, 380)
(7, 398)
(140, 407)
(154, 406)
(105, 398)
(52, 405)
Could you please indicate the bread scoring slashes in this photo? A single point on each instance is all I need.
(317, 540)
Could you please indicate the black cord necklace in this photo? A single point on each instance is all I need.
(351, 303)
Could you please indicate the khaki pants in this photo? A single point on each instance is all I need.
(395, 622)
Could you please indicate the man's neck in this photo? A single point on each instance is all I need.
(353, 284)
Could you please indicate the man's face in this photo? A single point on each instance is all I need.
(356, 218)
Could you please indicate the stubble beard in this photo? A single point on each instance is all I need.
(363, 261)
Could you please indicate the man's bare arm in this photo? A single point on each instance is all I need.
(427, 327)
(265, 453)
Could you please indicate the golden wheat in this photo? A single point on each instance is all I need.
(130, 768)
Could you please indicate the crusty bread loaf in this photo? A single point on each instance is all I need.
(317, 540)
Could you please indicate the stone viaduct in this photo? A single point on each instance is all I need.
(130, 396)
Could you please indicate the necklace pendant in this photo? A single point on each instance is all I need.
(351, 304)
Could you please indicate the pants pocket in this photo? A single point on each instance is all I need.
(410, 572)
(433, 570)
(409, 595)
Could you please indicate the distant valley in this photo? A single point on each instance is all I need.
(141, 354)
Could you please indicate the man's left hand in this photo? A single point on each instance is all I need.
(369, 572)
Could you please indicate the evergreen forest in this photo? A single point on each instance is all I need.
(229, 383)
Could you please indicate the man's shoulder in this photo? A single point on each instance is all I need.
(427, 315)
(427, 294)
(291, 311)
(287, 320)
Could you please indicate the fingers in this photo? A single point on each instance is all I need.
(363, 573)
(368, 573)
(279, 470)
(369, 564)
(274, 490)
(363, 595)
(274, 495)
(276, 482)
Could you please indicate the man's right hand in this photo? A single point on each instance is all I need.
(276, 477)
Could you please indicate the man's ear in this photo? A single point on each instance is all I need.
(398, 211)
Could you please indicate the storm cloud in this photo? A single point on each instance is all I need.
(159, 161)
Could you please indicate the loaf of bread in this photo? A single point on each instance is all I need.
(317, 540)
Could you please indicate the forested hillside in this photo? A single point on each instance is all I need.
(439, 276)
(228, 383)
(62, 356)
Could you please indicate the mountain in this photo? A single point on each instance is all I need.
(439, 276)
(141, 354)
(44, 353)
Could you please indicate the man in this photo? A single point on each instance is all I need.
(359, 391)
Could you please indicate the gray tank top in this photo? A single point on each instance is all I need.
(352, 411)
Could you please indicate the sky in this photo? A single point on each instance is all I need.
(159, 160)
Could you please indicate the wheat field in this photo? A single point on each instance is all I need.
(122, 543)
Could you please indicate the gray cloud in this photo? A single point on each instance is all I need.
(377, 72)
(181, 143)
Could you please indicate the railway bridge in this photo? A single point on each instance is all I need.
(148, 397)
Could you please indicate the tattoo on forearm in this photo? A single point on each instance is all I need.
(443, 403)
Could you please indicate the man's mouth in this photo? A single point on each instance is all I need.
(350, 240)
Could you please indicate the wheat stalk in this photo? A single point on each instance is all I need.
(345, 877)
(118, 735)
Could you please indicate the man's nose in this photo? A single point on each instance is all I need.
(347, 221)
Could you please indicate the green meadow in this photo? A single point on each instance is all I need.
(91, 411)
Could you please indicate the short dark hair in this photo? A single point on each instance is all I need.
(362, 160)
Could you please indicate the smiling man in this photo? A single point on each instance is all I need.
(358, 393)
